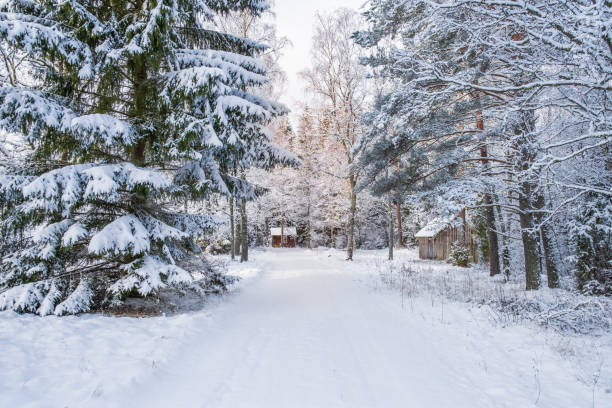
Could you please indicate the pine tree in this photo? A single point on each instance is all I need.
(132, 108)
(534, 78)
(425, 124)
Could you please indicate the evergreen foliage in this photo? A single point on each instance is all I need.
(131, 109)
(504, 106)
(459, 255)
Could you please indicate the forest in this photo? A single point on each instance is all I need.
(133, 141)
(414, 211)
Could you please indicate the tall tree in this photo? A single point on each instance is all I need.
(537, 72)
(339, 80)
(133, 108)
(259, 28)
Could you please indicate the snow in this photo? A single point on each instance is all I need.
(146, 276)
(63, 188)
(106, 180)
(434, 227)
(78, 301)
(49, 236)
(35, 36)
(303, 329)
(287, 231)
(22, 297)
(49, 112)
(124, 235)
(74, 234)
(111, 130)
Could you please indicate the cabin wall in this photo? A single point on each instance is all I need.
(290, 242)
(277, 241)
(427, 248)
(439, 247)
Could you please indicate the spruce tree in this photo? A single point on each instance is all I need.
(131, 108)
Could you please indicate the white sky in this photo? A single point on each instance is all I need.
(295, 19)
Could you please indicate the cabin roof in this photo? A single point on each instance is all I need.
(288, 231)
(436, 226)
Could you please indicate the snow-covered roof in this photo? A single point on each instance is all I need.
(434, 227)
(288, 231)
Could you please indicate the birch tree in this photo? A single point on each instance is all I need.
(338, 79)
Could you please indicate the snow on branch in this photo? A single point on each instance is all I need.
(107, 180)
(73, 234)
(125, 235)
(105, 128)
(32, 35)
(38, 111)
(78, 301)
(149, 274)
(62, 189)
(159, 230)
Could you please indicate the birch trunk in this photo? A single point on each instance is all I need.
(351, 230)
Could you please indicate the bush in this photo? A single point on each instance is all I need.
(596, 288)
(219, 247)
(459, 255)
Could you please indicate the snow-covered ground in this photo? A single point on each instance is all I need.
(303, 329)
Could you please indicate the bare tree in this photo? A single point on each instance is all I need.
(339, 80)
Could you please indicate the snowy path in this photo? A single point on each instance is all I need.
(309, 332)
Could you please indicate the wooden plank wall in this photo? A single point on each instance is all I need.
(439, 247)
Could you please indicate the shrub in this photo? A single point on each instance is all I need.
(219, 247)
(459, 255)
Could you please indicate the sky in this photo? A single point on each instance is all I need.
(295, 19)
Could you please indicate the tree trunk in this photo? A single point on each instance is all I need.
(282, 244)
(390, 212)
(504, 247)
(140, 106)
(489, 211)
(244, 236)
(527, 198)
(547, 242)
(232, 230)
(351, 230)
(331, 227)
(547, 246)
(398, 204)
(400, 237)
(398, 209)
(238, 229)
(530, 243)
(308, 226)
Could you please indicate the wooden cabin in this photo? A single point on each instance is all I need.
(436, 238)
(283, 237)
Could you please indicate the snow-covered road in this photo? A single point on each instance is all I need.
(308, 331)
